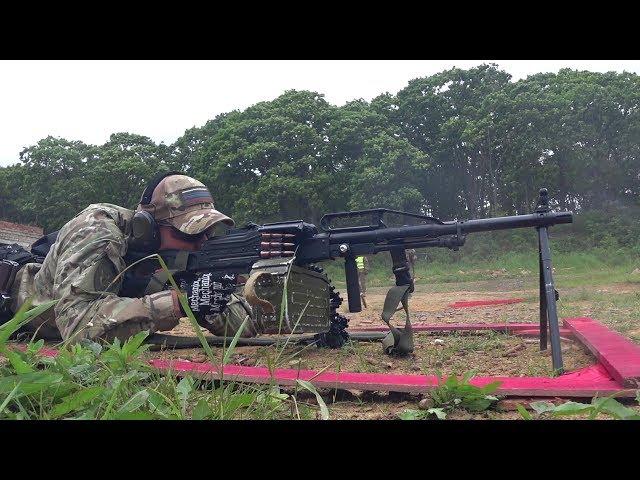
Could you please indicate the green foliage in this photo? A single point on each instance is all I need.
(457, 392)
(409, 414)
(524, 413)
(608, 406)
(114, 382)
(324, 411)
(460, 143)
(452, 393)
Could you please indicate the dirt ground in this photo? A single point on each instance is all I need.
(488, 353)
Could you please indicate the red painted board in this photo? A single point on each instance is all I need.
(483, 303)
(620, 356)
(591, 381)
(48, 352)
(584, 383)
(587, 382)
(45, 352)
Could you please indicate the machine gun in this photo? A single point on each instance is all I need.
(289, 293)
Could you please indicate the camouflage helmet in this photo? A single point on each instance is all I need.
(184, 203)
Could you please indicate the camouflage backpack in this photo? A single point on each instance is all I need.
(12, 258)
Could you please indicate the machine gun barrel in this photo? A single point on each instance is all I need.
(435, 230)
(516, 221)
(349, 242)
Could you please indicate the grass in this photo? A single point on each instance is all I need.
(607, 407)
(113, 381)
(618, 310)
(577, 268)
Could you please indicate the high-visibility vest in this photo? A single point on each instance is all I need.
(360, 263)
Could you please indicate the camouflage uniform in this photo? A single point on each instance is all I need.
(82, 267)
(79, 271)
(363, 270)
(412, 258)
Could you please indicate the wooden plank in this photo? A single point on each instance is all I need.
(619, 368)
(485, 303)
(620, 356)
(517, 328)
(585, 383)
(564, 333)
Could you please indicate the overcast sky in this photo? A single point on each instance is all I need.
(89, 100)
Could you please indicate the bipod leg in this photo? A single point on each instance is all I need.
(550, 300)
(544, 328)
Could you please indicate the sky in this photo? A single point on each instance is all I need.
(89, 100)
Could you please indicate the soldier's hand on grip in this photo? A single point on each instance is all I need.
(206, 294)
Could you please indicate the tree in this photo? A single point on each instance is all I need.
(120, 169)
(11, 196)
(446, 117)
(269, 161)
(460, 143)
(56, 183)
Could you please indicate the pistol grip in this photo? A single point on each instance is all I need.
(353, 286)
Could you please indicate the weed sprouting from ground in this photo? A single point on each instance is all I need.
(454, 393)
(607, 407)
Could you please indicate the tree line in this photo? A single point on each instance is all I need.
(457, 144)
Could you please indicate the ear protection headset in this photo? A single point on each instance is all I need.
(145, 234)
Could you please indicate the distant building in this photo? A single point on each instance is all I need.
(23, 235)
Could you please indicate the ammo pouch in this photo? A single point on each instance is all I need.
(12, 258)
(8, 270)
(306, 311)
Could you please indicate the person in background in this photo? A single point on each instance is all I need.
(412, 258)
(362, 263)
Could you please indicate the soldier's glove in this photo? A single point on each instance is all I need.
(206, 295)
